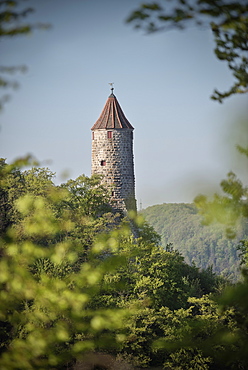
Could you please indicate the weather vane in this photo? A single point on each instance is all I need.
(111, 84)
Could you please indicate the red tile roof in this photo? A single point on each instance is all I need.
(112, 116)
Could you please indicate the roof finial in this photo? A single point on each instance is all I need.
(112, 89)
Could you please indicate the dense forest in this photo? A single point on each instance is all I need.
(77, 288)
(204, 246)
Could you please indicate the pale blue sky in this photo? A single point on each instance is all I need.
(163, 83)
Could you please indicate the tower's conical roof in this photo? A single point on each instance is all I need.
(112, 116)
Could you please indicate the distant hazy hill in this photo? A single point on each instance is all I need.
(205, 246)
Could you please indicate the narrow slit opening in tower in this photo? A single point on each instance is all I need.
(103, 163)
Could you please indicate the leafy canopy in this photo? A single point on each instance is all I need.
(74, 281)
(51, 269)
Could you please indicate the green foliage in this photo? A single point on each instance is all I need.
(187, 360)
(228, 21)
(228, 344)
(155, 284)
(243, 250)
(47, 288)
(74, 281)
(227, 209)
(218, 328)
(206, 247)
(87, 196)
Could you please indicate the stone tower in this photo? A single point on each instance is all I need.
(112, 154)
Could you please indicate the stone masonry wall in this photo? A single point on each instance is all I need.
(113, 158)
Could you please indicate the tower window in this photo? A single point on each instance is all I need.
(109, 134)
(103, 163)
(93, 136)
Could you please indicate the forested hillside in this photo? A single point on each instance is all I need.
(205, 246)
(75, 282)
